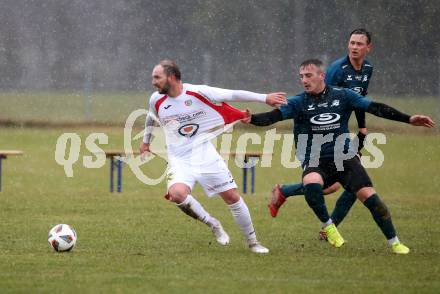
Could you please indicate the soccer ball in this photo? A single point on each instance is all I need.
(62, 238)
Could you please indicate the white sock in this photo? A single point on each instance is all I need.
(242, 217)
(392, 240)
(193, 208)
(327, 223)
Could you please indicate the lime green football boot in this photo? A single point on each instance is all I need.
(333, 236)
(399, 248)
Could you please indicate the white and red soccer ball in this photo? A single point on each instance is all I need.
(62, 238)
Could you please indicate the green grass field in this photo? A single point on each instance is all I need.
(138, 242)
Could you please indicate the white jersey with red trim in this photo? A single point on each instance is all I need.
(196, 116)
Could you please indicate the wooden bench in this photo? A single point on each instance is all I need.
(4, 155)
(116, 163)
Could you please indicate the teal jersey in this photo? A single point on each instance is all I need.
(342, 74)
(326, 114)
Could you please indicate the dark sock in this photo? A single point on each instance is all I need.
(381, 215)
(315, 199)
(343, 205)
(292, 190)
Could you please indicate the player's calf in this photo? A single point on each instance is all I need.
(242, 217)
(191, 207)
(382, 217)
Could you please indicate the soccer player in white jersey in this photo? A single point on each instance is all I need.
(191, 115)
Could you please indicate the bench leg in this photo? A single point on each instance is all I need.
(1, 158)
(253, 179)
(245, 176)
(112, 167)
(119, 166)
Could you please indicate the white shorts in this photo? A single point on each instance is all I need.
(214, 177)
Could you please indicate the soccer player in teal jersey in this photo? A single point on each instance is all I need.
(353, 72)
(323, 146)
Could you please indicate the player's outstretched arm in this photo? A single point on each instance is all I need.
(225, 95)
(264, 118)
(388, 112)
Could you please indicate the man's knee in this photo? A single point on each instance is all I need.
(313, 178)
(178, 192)
(230, 196)
(365, 193)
